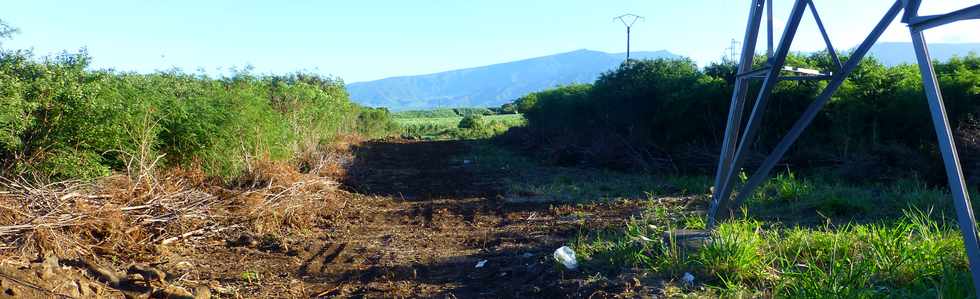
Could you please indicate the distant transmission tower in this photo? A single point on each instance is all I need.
(733, 50)
(628, 21)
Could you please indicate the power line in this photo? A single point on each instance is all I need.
(628, 20)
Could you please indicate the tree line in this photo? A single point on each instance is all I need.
(665, 114)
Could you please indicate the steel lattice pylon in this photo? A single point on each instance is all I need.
(735, 145)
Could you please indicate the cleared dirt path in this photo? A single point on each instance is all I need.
(431, 225)
(417, 220)
(411, 219)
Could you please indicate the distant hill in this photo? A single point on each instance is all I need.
(491, 85)
(892, 54)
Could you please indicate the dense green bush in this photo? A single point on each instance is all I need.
(671, 114)
(472, 121)
(477, 127)
(59, 120)
(547, 110)
(375, 122)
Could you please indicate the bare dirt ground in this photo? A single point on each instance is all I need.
(434, 218)
(415, 221)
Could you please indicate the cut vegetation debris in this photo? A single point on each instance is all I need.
(95, 227)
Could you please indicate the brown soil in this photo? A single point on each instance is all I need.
(416, 222)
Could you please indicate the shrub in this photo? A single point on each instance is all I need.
(61, 121)
(375, 122)
(13, 112)
(472, 121)
(550, 110)
(669, 115)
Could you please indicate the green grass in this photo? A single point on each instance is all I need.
(442, 128)
(915, 256)
(432, 113)
(894, 241)
(817, 200)
(443, 112)
(579, 186)
(797, 237)
(528, 179)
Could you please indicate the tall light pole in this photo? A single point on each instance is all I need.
(628, 20)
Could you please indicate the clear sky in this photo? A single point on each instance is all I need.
(372, 39)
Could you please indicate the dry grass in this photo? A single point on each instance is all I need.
(130, 216)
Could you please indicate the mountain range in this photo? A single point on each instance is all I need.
(491, 85)
(494, 85)
(892, 54)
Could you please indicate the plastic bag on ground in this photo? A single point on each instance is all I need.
(566, 256)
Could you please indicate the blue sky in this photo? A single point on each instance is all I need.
(372, 39)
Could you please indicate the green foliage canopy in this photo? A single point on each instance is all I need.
(59, 120)
(671, 110)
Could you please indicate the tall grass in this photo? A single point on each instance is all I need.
(61, 120)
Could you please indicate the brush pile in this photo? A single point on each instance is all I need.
(133, 219)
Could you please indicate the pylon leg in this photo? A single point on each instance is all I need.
(947, 147)
(722, 195)
(737, 105)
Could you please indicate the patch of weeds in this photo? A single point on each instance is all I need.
(787, 187)
(821, 264)
(608, 251)
(250, 276)
(638, 244)
(918, 255)
(914, 256)
(693, 221)
(735, 254)
(831, 240)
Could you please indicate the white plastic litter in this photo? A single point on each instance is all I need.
(481, 263)
(688, 278)
(566, 256)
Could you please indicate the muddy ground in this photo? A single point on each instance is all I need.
(417, 221)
